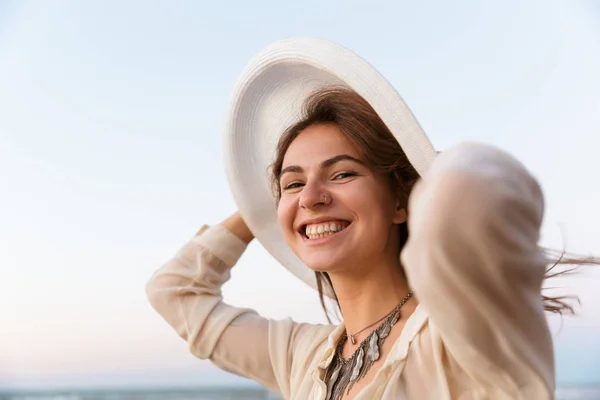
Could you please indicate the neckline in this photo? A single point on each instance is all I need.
(411, 328)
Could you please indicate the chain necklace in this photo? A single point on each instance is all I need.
(353, 341)
(344, 373)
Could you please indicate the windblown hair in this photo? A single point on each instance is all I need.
(380, 150)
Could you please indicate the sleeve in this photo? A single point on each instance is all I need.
(186, 292)
(474, 263)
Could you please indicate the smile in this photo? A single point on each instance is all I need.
(324, 229)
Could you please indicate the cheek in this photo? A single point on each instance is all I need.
(374, 208)
(361, 198)
(285, 214)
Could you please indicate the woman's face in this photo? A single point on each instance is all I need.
(334, 210)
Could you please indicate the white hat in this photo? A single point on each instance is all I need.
(268, 98)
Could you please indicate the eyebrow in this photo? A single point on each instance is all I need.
(325, 164)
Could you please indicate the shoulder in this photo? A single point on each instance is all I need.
(312, 336)
(311, 344)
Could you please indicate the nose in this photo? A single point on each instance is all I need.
(314, 195)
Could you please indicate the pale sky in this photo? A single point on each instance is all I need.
(111, 117)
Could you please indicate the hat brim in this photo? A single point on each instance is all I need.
(267, 99)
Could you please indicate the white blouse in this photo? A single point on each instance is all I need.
(473, 261)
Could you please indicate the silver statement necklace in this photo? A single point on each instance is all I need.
(344, 373)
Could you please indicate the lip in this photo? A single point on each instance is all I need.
(314, 242)
(326, 239)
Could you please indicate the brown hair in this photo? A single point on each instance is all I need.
(377, 146)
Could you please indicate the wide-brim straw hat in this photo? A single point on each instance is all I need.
(268, 98)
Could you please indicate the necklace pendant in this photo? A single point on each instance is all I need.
(373, 349)
(358, 364)
(352, 340)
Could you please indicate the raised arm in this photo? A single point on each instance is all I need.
(186, 292)
(474, 262)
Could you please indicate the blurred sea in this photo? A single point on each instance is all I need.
(571, 393)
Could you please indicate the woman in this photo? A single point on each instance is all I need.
(451, 311)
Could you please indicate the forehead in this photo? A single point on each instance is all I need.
(318, 143)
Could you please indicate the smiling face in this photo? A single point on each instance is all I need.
(335, 212)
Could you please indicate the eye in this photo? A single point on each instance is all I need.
(293, 185)
(343, 175)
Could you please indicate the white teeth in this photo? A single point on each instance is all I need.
(322, 230)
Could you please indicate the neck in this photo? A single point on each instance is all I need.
(367, 296)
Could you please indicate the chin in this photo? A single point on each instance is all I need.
(324, 259)
(323, 263)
